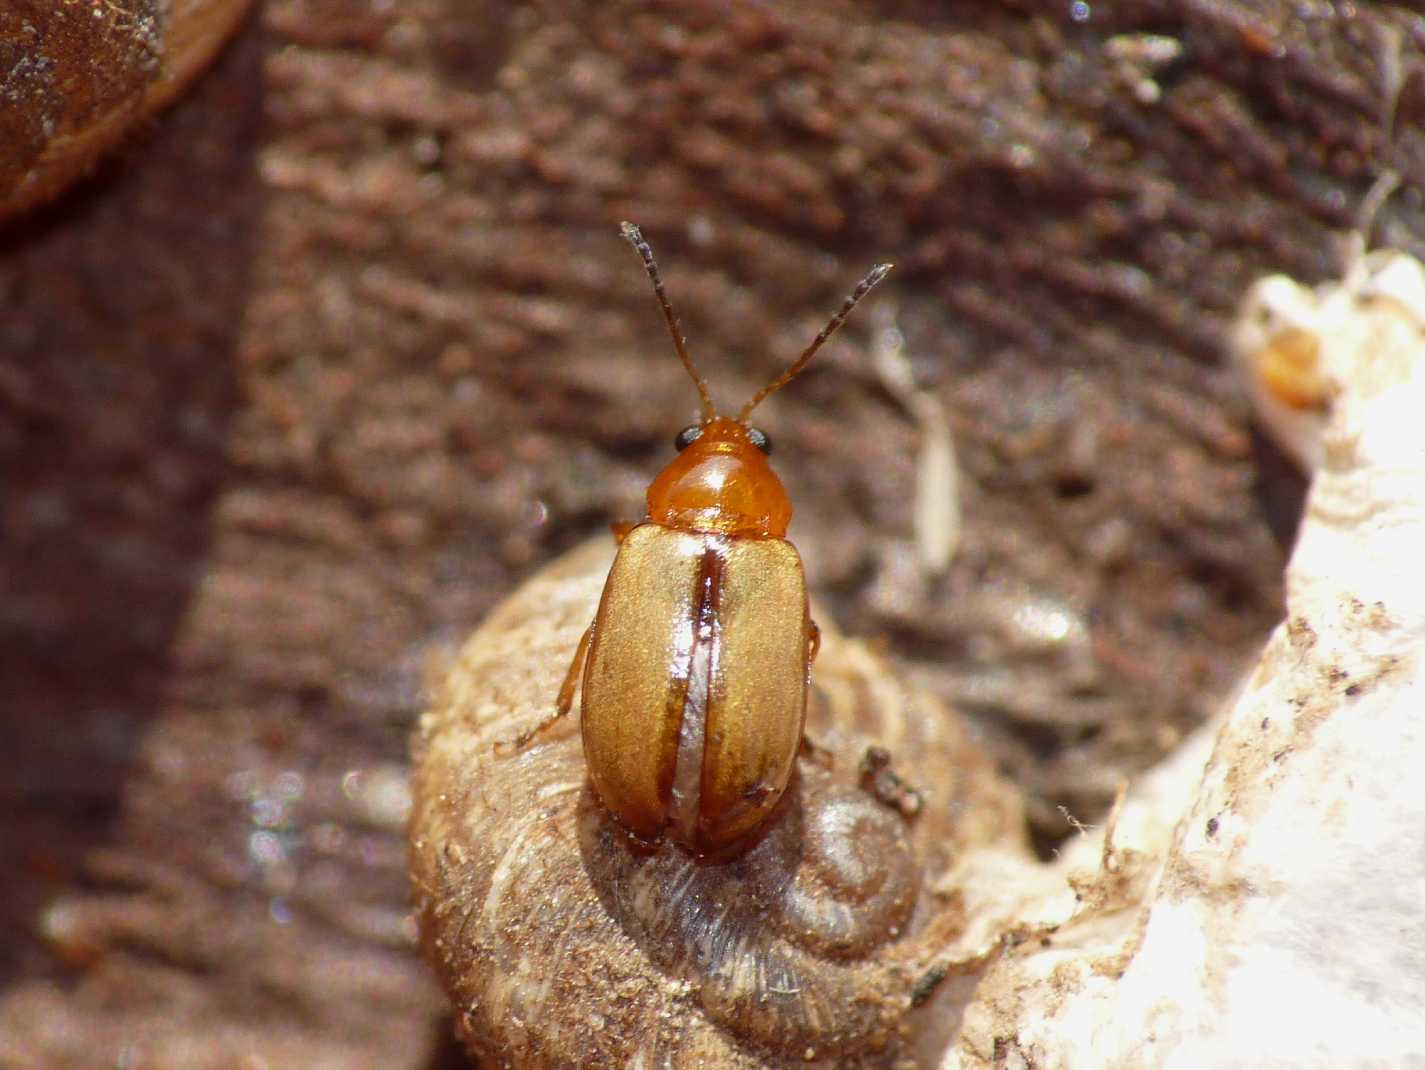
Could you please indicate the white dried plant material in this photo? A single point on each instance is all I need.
(936, 507)
(1273, 919)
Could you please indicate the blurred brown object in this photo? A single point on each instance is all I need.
(291, 397)
(79, 76)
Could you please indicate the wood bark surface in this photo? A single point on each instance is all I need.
(345, 344)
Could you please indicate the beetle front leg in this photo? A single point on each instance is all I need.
(813, 643)
(565, 702)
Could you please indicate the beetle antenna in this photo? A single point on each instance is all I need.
(634, 237)
(875, 275)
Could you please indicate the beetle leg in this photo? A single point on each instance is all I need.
(565, 702)
(621, 528)
(813, 643)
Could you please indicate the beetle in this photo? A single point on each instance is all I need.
(696, 667)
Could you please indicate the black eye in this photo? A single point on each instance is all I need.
(687, 437)
(760, 440)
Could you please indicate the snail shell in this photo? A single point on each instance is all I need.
(563, 943)
(86, 74)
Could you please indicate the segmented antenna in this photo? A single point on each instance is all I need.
(635, 238)
(875, 275)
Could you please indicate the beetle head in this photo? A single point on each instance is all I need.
(720, 481)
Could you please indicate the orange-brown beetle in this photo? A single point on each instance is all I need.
(695, 669)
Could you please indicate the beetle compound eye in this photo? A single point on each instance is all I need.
(687, 437)
(760, 440)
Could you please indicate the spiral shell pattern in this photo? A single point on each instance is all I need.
(563, 943)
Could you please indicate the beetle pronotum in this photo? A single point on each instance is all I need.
(695, 668)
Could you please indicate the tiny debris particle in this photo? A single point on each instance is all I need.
(1211, 827)
(927, 983)
(885, 786)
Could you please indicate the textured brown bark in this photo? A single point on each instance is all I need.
(348, 343)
